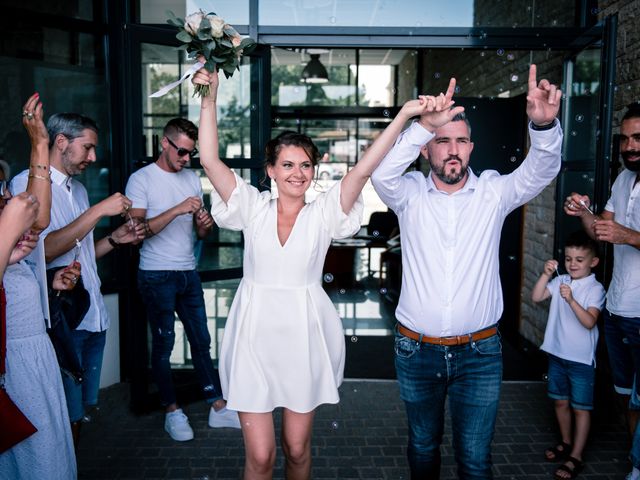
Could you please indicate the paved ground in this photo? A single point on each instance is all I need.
(363, 437)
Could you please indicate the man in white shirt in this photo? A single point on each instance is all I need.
(169, 197)
(451, 298)
(619, 224)
(72, 143)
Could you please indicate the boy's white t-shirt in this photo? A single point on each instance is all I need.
(565, 336)
(157, 191)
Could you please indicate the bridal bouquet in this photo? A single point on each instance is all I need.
(208, 35)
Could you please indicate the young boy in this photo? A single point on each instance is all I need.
(570, 340)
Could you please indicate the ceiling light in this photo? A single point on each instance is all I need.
(314, 72)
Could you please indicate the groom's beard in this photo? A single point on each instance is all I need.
(632, 165)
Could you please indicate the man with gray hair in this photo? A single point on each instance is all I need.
(69, 237)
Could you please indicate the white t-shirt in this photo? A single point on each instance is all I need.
(623, 297)
(157, 191)
(565, 336)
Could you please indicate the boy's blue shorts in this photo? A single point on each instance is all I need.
(571, 381)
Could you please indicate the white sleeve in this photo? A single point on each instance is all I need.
(244, 202)
(387, 178)
(136, 191)
(538, 169)
(334, 220)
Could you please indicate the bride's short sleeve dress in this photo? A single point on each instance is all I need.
(283, 344)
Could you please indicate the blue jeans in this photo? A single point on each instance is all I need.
(622, 335)
(471, 376)
(89, 346)
(165, 292)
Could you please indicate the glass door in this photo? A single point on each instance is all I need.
(157, 62)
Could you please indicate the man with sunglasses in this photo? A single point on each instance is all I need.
(169, 197)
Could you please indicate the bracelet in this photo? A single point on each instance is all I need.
(112, 242)
(37, 165)
(40, 177)
(147, 229)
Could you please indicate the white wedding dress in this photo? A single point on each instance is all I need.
(283, 344)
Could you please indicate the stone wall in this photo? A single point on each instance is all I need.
(627, 87)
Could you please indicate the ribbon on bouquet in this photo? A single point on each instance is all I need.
(164, 90)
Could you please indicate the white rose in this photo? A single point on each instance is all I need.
(217, 26)
(192, 22)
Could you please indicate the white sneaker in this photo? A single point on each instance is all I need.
(177, 426)
(223, 418)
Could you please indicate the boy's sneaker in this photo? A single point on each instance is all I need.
(223, 418)
(177, 426)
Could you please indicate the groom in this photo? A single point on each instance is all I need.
(447, 341)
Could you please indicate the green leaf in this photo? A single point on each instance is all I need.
(184, 46)
(205, 24)
(184, 36)
(229, 30)
(247, 43)
(212, 44)
(171, 15)
(204, 35)
(225, 42)
(218, 59)
(209, 65)
(173, 22)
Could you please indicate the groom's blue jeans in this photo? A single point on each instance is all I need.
(470, 375)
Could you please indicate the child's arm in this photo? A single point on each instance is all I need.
(587, 317)
(540, 291)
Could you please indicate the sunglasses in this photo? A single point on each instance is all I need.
(182, 151)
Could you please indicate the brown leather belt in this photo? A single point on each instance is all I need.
(448, 341)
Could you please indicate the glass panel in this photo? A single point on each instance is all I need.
(80, 9)
(288, 90)
(488, 73)
(581, 108)
(222, 248)
(413, 13)
(233, 11)
(384, 77)
(163, 64)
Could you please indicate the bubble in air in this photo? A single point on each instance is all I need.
(457, 89)
(436, 75)
(574, 133)
(277, 120)
(386, 113)
(579, 118)
(514, 78)
(500, 52)
(375, 233)
(513, 159)
(354, 339)
(545, 377)
(328, 277)
(254, 107)
(342, 291)
(334, 425)
(383, 291)
(332, 20)
(510, 56)
(482, 54)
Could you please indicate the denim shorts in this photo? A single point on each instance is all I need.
(622, 335)
(571, 381)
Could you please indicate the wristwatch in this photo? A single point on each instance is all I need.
(540, 128)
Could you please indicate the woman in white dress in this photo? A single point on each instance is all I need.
(284, 344)
(33, 378)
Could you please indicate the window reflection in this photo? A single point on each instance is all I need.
(233, 11)
(357, 77)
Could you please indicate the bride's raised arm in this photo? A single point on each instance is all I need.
(219, 174)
